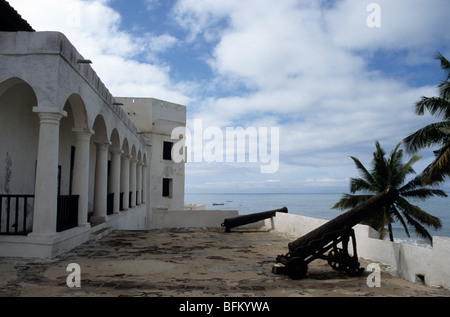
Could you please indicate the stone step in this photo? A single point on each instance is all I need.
(100, 233)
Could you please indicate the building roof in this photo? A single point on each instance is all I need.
(11, 21)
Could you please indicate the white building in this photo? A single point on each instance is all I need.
(74, 160)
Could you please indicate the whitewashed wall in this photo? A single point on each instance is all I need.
(166, 219)
(407, 261)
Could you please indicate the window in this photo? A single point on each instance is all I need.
(167, 187)
(167, 151)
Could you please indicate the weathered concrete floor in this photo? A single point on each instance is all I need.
(188, 263)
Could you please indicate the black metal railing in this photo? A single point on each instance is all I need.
(15, 211)
(67, 215)
(110, 204)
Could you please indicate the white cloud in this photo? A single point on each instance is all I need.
(405, 24)
(162, 42)
(126, 63)
(301, 65)
(304, 65)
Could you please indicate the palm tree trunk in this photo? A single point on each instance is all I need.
(391, 235)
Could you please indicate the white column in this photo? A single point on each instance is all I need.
(125, 180)
(46, 186)
(114, 185)
(144, 198)
(101, 181)
(133, 181)
(80, 183)
(139, 182)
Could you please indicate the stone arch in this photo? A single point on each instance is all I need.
(125, 176)
(144, 197)
(7, 84)
(144, 159)
(133, 152)
(19, 139)
(133, 183)
(115, 140)
(114, 166)
(139, 178)
(66, 147)
(102, 143)
(100, 130)
(126, 147)
(78, 107)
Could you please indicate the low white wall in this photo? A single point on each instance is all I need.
(132, 219)
(165, 219)
(410, 262)
(50, 246)
(43, 246)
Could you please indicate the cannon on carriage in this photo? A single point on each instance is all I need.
(331, 241)
(252, 218)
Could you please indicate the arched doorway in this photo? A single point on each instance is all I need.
(102, 144)
(18, 154)
(72, 167)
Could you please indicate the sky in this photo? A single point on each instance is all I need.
(333, 77)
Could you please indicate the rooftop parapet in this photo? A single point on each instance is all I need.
(154, 115)
(56, 43)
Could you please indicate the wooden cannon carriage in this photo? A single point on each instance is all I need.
(324, 241)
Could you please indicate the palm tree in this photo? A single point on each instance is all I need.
(435, 134)
(385, 172)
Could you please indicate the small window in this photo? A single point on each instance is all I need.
(167, 187)
(167, 151)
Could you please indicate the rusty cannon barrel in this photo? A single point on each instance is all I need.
(252, 218)
(346, 220)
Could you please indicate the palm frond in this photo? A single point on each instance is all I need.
(419, 229)
(430, 135)
(418, 214)
(444, 93)
(436, 106)
(363, 171)
(399, 218)
(380, 168)
(423, 193)
(359, 184)
(439, 169)
(445, 64)
(350, 201)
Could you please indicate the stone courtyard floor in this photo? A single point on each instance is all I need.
(189, 263)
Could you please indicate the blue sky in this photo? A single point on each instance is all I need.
(314, 69)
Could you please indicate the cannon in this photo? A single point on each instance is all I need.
(323, 242)
(252, 218)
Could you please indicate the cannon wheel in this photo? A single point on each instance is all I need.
(335, 259)
(296, 268)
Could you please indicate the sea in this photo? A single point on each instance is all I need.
(319, 206)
